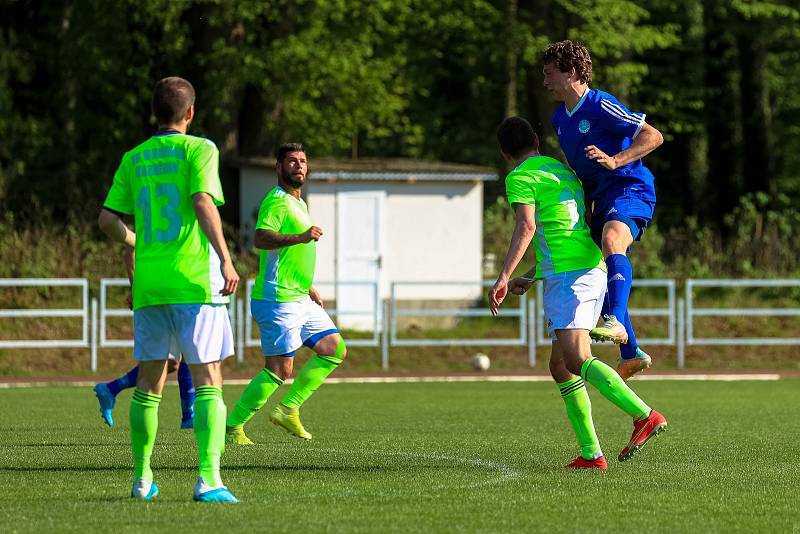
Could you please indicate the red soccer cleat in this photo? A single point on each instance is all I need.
(643, 430)
(581, 463)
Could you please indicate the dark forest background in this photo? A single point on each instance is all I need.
(416, 79)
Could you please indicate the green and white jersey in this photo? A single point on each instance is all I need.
(175, 264)
(285, 274)
(562, 238)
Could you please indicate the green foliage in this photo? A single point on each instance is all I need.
(406, 78)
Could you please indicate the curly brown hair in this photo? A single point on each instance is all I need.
(566, 55)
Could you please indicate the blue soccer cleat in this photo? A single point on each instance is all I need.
(187, 421)
(144, 489)
(205, 493)
(107, 401)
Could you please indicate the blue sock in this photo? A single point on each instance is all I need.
(620, 276)
(123, 382)
(628, 350)
(186, 389)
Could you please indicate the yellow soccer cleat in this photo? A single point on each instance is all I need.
(628, 368)
(236, 436)
(289, 420)
(612, 330)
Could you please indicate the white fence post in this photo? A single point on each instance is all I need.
(93, 349)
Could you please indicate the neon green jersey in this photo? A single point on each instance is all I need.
(175, 264)
(285, 274)
(562, 238)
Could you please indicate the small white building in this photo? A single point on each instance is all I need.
(385, 221)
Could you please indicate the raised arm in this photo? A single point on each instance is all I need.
(211, 224)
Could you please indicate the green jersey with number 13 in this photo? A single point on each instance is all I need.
(175, 263)
(562, 238)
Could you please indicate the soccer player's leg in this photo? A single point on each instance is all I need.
(616, 239)
(144, 425)
(279, 324)
(187, 394)
(323, 338)
(205, 338)
(572, 303)
(579, 412)
(152, 340)
(107, 392)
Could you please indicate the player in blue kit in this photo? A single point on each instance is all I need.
(604, 144)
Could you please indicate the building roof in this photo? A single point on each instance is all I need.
(402, 170)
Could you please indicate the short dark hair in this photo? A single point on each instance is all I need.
(171, 98)
(286, 148)
(515, 136)
(566, 55)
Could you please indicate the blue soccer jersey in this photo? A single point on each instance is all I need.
(600, 119)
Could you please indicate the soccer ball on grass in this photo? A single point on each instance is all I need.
(481, 362)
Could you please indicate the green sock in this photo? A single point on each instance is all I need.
(612, 387)
(209, 430)
(311, 376)
(579, 412)
(144, 426)
(254, 396)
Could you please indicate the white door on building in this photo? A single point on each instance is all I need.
(359, 252)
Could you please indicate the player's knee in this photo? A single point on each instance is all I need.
(573, 363)
(612, 243)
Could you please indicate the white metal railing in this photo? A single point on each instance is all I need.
(674, 319)
(681, 329)
(395, 313)
(83, 312)
(692, 311)
(375, 314)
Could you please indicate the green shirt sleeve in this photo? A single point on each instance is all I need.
(204, 171)
(120, 197)
(519, 189)
(271, 214)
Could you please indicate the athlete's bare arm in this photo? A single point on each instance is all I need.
(269, 240)
(523, 233)
(211, 225)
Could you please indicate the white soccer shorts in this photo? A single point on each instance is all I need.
(574, 299)
(287, 326)
(201, 332)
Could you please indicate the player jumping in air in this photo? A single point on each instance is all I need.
(604, 144)
(287, 308)
(548, 201)
(183, 277)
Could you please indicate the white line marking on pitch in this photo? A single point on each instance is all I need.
(506, 473)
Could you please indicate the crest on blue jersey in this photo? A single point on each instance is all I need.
(583, 126)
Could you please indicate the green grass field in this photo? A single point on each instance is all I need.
(459, 457)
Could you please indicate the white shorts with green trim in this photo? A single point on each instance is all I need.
(287, 326)
(574, 299)
(201, 332)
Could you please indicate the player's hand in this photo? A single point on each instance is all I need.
(497, 294)
(520, 285)
(594, 153)
(315, 296)
(313, 233)
(129, 299)
(231, 278)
